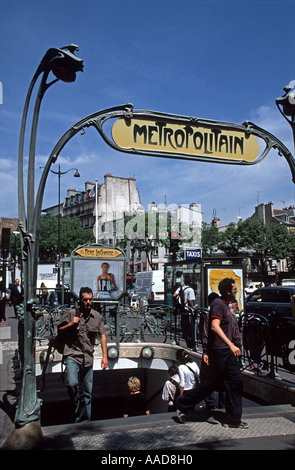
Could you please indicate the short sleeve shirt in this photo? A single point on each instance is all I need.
(188, 293)
(220, 309)
(186, 376)
(80, 341)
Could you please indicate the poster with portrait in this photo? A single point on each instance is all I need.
(103, 270)
(215, 274)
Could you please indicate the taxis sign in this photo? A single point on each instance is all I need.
(193, 253)
(184, 139)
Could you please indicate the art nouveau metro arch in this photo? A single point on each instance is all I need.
(171, 136)
(139, 132)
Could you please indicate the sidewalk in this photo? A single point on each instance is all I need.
(270, 427)
(8, 398)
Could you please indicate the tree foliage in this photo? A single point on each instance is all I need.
(267, 241)
(71, 236)
(143, 234)
(210, 239)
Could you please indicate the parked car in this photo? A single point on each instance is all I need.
(267, 300)
(149, 284)
(288, 282)
(253, 286)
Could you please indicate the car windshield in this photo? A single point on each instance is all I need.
(255, 296)
(264, 296)
(271, 295)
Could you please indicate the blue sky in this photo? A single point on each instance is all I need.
(213, 59)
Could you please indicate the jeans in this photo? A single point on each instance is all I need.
(79, 381)
(225, 371)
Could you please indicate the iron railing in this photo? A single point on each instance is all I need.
(268, 342)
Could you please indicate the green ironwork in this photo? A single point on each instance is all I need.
(286, 106)
(99, 119)
(63, 64)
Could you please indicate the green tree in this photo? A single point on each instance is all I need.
(231, 241)
(71, 236)
(280, 241)
(144, 232)
(267, 241)
(291, 263)
(210, 239)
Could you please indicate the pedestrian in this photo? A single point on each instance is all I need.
(223, 356)
(135, 402)
(171, 388)
(16, 296)
(184, 298)
(81, 326)
(205, 370)
(188, 372)
(2, 302)
(44, 294)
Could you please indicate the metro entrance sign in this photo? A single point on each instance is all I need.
(186, 139)
(172, 136)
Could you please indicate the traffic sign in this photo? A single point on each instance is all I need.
(193, 253)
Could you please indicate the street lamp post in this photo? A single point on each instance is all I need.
(286, 106)
(63, 63)
(59, 173)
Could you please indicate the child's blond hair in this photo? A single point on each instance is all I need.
(133, 384)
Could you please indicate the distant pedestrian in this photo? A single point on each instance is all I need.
(16, 296)
(184, 298)
(44, 294)
(2, 302)
(188, 372)
(171, 388)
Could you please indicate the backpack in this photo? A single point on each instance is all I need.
(177, 390)
(180, 303)
(58, 342)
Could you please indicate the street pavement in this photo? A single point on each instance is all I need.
(270, 427)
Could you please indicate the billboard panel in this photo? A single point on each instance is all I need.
(103, 269)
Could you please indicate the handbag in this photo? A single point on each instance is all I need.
(59, 341)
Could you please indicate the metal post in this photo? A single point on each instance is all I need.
(59, 173)
(286, 106)
(26, 433)
(58, 232)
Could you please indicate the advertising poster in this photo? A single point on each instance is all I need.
(104, 274)
(216, 274)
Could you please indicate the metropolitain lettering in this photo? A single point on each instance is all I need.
(206, 141)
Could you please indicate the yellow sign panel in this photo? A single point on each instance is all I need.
(216, 275)
(98, 252)
(185, 139)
